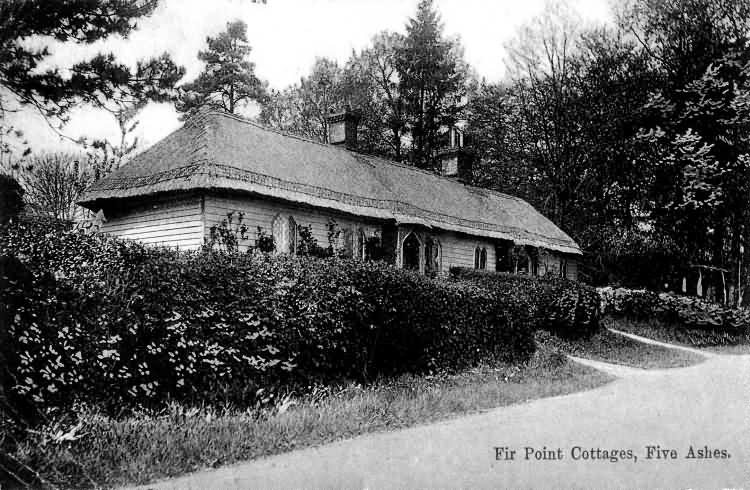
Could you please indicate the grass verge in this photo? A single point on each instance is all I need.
(610, 347)
(146, 447)
(719, 342)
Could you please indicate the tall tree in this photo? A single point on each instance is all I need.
(683, 37)
(373, 75)
(544, 97)
(698, 123)
(562, 133)
(319, 94)
(97, 81)
(492, 115)
(304, 108)
(228, 81)
(432, 77)
(280, 110)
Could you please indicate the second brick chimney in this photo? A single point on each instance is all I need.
(456, 160)
(342, 128)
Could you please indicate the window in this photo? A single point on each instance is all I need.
(361, 245)
(523, 262)
(432, 256)
(279, 230)
(284, 231)
(292, 230)
(504, 256)
(349, 245)
(410, 252)
(480, 258)
(532, 254)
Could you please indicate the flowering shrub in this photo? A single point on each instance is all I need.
(228, 233)
(566, 308)
(119, 324)
(689, 311)
(308, 245)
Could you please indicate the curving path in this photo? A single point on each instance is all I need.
(703, 405)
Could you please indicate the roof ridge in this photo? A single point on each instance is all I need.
(501, 194)
(202, 121)
(366, 155)
(309, 140)
(265, 127)
(437, 176)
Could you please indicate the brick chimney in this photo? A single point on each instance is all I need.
(456, 160)
(342, 128)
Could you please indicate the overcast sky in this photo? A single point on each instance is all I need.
(286, 36)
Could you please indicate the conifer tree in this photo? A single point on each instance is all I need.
(431, 82)
(228, 82)
(101, 81)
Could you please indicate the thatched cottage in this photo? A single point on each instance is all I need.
(174, 192)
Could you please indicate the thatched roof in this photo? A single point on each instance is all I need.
(220, 151)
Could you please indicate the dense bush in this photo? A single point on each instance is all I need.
(120, 324)
(15, 285)
(566, 308)
(639, 304)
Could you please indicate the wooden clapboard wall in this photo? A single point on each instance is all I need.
(457, 250)
(185, 221)
(261, 212)
(169, 221)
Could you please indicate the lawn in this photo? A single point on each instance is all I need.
(142, 448)
(718, 342)
(617, 349)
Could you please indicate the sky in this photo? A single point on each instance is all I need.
(286, 37)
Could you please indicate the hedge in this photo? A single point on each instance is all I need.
(565, 308)
(640, 304)
(121, 325)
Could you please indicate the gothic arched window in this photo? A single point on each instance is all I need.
(410, 252)
(480, 258)
(284, 231)
(432, 256)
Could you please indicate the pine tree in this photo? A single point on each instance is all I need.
(228, 82)
(431, 81)
(99, 81)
